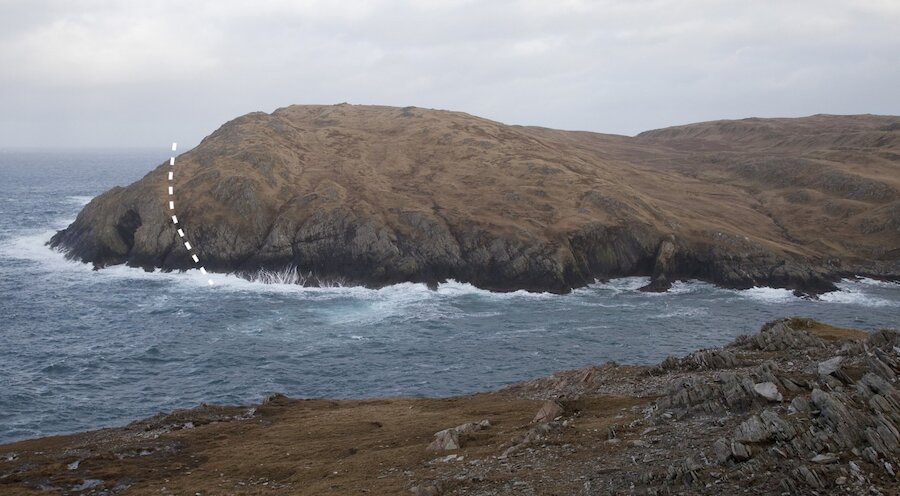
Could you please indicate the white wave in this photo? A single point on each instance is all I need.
(854, 296)
(767, 294)
(287, 275)
(291, 280)
(80, 200)
(594, 327)
(684, 312)
(281, 283)
(390, 300)
(849, 293)
(622, 284)
(686, 287)
(632, 285)
(601, 301)
(483, 315)
(865, 281)
(33, 247)
(356, 304)
(519, 332)
(454, 288)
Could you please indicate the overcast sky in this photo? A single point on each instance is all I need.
(99, 73)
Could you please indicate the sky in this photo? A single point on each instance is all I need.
(105, 73)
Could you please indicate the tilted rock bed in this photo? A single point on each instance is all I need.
(825, 421)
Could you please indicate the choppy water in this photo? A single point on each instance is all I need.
(81, 349)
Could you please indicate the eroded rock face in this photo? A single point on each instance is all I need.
(832, 425)
(379, 195)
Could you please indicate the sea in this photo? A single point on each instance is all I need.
(83, 349)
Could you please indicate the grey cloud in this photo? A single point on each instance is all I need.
(108, 73)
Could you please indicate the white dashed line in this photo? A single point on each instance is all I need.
(187, 244)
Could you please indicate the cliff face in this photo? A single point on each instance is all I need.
(379, 195)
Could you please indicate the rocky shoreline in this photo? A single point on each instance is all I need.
(367, 195)
(800, 407)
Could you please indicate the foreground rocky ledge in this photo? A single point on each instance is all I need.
(369, 195)
(798, 408)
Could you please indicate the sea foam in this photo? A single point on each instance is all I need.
(33, 247)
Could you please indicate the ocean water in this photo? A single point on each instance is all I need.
(82, 349)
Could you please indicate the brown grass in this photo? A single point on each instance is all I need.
(822, 187)
(317, 447)
(827, 331)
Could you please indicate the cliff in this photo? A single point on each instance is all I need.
(378, 195)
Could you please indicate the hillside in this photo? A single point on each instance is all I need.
(377, 195)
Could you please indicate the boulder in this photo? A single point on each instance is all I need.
(722, 450)
(825, 458)
(776, 426)
(548, 412)
(830, 366)
(427, 489)
(470, 427)
(740, 451)
(768, 390)
(800, 404)
(447, 439)
(450, 439)
(752, 430)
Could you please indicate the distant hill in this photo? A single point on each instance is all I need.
(378, 195)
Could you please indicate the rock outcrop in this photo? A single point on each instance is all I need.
(379, 195)
(832, 426)
(798, 408)
(663, 267)
(451, 439)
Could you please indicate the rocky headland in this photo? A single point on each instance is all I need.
(800, 407)
(378, 195)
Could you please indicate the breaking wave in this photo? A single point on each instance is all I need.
(33, 247)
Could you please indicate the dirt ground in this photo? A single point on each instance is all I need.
(286, 447)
